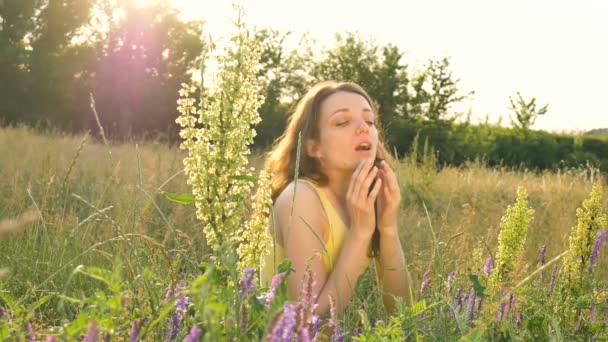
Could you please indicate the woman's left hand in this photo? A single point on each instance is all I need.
(389, 200)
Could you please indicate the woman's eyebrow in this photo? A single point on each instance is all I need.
(340, 110)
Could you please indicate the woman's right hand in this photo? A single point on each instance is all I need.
(360, 200)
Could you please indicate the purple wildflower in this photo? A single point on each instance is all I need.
(488, 265)
(179, 310)
(543, 250)
(182, 304)
(309, 297)
(309, 304)
(291, 319)
(333, 321)
(451, 278)
(169, 293)
(333, 316)
(29, 332)
(181, 286)
(472, 297)
(511, 307)
(51, 338)
(338, 335)
(274, 284)
(134, 331)
(246, 282)
(304, 335)
(426, 280)
(459, 297)
(316, 325)
(592, 315)
(194, 335)
(553, 276)
(601, 237)
(175, 321)
(283, 329)
(92, 332)
(2, 313)
(501, 311)
(244, 319)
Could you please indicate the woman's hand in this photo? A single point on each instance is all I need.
(389, 199)
(360, 200)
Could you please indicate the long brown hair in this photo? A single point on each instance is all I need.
(281, 160)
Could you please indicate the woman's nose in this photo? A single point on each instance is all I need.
(362, 128)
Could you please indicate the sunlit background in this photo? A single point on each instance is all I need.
(134, 54)
(555, 51)
(93, 242)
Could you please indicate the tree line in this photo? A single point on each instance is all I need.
(54, 53)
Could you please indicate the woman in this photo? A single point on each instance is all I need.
(327, 216)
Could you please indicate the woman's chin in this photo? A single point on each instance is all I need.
(352, 165)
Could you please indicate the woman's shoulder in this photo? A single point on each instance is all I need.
(301, 201)
(301, 192)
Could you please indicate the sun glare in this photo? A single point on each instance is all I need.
(144, 3)
(190, 9)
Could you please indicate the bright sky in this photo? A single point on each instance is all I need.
(556, 51)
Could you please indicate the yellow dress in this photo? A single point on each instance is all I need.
(337, 232)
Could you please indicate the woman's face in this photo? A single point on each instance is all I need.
(347, 132)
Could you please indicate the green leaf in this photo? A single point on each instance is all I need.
(164, 313)
(103, 275)
(32, 307)
(479, 289)
(474, 335)
(179, 198)
(252, 179)
(538, 327)
(285, 267)
(418, 307)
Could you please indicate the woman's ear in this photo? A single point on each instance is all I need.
(311, 148)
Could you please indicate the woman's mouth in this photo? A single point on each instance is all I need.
(363, 147)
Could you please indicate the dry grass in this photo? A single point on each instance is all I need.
(98, 199)
(468, 202)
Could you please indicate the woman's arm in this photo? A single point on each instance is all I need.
(301, 231)
(391, 270)
(303, 225)
(393, 276)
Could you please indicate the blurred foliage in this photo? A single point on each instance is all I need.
(133, 60)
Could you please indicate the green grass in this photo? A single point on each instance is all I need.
(88, 213)
(108, 212)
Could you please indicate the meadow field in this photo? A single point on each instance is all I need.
(103, 229)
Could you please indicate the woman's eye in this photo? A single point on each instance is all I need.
(343, 123)
(371, 123)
